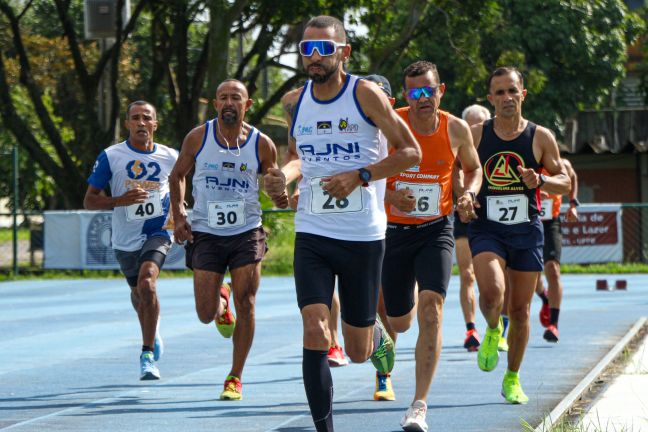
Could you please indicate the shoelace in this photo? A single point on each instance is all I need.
(232, 386)
(382, 383)
(418, 412)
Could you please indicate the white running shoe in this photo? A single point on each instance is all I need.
(414, 420)
(148, 370)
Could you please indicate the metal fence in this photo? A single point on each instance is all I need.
(21, 244)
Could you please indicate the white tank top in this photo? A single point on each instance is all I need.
(335, 136)
(225, 185)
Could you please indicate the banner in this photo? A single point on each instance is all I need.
(81, 240)
(597, 236)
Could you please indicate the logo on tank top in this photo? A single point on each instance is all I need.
(324, 128)
(345, 127)
(330, 152)
(501, 169)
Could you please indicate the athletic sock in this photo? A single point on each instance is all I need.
(544, 298)
(319, 388)
(146, 348)
(554, 316)
(505, 321)
(470, 326)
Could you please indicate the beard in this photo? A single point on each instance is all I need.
(229, 117)
(321, 78)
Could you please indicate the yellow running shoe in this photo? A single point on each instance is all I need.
(488, 356)
(384, 390)
(502, 345)
(227, 321)
(512, 389)
(232, 389)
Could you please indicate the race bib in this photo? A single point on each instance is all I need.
(547, 209)
(427, 197)
(226, 214)
(323, 203)
(508, 209)
(149, 209)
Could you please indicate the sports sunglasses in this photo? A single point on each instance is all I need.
(324, 47)
(416, 92)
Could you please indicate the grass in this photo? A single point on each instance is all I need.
(568, 426)
(6, 235)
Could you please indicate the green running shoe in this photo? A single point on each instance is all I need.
(502, 345)
(384, 356)
(488, 356)
(512, 389)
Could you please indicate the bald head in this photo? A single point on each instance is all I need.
(232, 84)
(475, 114)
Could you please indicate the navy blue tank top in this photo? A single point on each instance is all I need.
(504, 198)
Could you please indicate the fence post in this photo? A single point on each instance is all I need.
(15, 209)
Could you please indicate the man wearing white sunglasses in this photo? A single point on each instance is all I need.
(335, 120)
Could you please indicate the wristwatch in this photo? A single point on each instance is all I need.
(574, 202)
(543, 180)
(365, 176)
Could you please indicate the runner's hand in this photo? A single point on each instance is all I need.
(341, 185)
(182, 229)
(466, 208)
(403, 200)
(133, 196)
(572, 214)
(530, 178)
(274, 182)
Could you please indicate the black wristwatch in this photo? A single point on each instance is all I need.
(543, 180)
(365, 176)
(574, 202)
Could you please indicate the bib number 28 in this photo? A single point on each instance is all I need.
(324, 203)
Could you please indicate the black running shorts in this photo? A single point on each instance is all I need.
(412, 254)
(552, 240)
(154, 249)
(215, 253)
(357, 264)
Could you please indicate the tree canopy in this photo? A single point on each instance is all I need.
(174, 54)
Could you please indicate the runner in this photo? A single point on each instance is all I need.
(419, 240)
(474, 114)
(225, 232)
(507, 231)
(137, 171)
(340, 221)
(384, 389)
(550, 216)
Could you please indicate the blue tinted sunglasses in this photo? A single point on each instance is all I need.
(323, 47)
(416, 92)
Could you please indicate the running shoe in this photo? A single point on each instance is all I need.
(158, 347)
(227, 321)
(384, 356)
(545, 313)
(384, 390)
(414, 419)
(232, 389)
(471, 343)
(488, 355)
(502, 345)
(551, 334)
(512, 389)
(148, 370)
(336, 356)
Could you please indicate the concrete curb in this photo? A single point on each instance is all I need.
(563, 406)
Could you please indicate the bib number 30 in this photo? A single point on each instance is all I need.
(323, 203)
(508, 209)
(149, 209)
(226, 214)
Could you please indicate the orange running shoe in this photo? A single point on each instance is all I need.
(227, 321)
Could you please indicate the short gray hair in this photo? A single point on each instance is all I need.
(476, 109)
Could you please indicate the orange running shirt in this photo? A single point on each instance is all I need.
(550, 205)
(430, 181)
